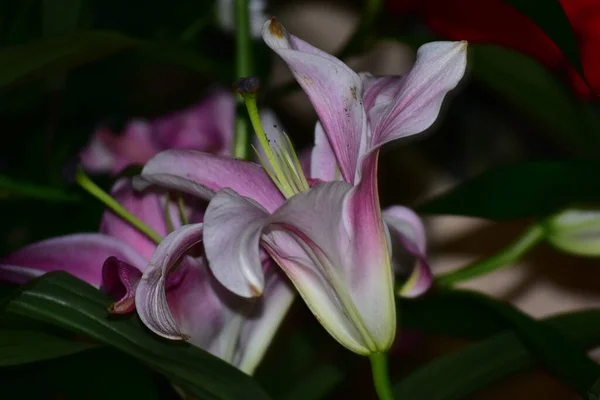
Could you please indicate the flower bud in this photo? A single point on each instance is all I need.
(575, 231)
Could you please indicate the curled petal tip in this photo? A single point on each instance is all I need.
(276, 28)
(185, 337)
(256, 292)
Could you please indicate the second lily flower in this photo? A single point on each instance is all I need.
(327, 232)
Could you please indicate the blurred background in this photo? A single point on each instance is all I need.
(70, 67)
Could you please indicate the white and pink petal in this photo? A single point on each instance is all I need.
(82, 255)
(407, 229)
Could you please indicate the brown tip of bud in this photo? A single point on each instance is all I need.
(276, 28)
(247, 85)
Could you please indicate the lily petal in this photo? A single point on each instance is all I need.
(235, 329)
(203, 174)
(372, 269)
(334, 90)
(204, 309)
(408, 229)
(232, 230)
(207, 126)
(379, 89)
(399, 108)
(148, 206)
(309, 238)
(119, 280)
(82, 255)
(262, 320)
(323, 164)
(108, 152)
(150, 297)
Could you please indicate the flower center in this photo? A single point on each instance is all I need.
(278, 156)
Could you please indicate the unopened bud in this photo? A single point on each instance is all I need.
(575, 231)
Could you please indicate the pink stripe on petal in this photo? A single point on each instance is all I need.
(342, 276)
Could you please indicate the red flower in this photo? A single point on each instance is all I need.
(493, 21)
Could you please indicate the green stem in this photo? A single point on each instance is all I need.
(509, 255)
(243, 69)
(381, 378)
(82, 179)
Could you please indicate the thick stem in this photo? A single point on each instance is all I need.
(86, 183)
(381, 378)
(243, 68)
(509, 255)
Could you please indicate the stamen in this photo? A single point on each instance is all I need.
(182, 214)
(282, 163)
(86, 183)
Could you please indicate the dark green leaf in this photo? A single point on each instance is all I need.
(316, 385)
(60, 299)
(551, 18)
(462, 373)
(531, 189)
(26, 346)
(443, 313)
(558, 354)
(95, 375)
(539, 95)
(11, 189)
(20, 63)
(60, 16)
(173, 54)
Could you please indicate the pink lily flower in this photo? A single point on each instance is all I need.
(235, 329)
(207, 126)
(328, 232)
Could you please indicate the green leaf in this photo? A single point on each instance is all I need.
(316, 385)
(27, 346)
(60, 16)
(462, 373)
(531, 189)
(558, 354)
(95, 375)
(551, 18)
(539, 95)
(60, 299)
(444, 313)
(59, 54)
(10, 189)
(48, 56)
(546, 343)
